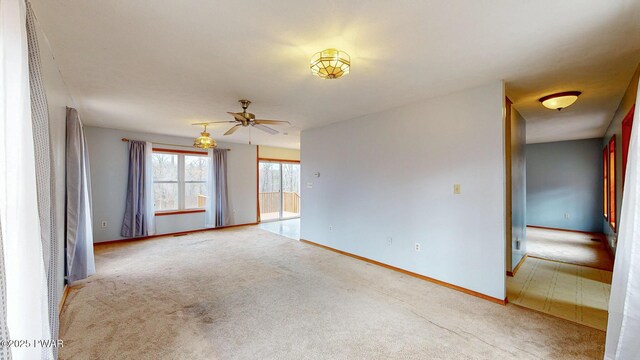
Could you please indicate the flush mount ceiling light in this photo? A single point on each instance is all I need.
(330, 64)
(204, 141)
(560, 101)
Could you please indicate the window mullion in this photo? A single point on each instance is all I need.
(181, 186)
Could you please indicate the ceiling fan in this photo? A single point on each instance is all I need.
(246, 119)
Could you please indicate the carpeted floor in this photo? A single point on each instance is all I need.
(245, 293)
(569, 247)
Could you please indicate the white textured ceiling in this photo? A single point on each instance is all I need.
(158, 66)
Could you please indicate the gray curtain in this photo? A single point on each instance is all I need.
(80, 260)
(5, 351)
(134, 222)
(45, 176)
(220, 185)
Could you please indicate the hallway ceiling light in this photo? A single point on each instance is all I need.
(560, 101)
(204, 141)
(330, 64)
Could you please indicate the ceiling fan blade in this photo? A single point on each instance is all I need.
(233, 129)
(266, 129)
(214, 122)
(272, 122)
(237, 116)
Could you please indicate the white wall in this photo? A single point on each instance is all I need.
(58, 98)
(269, 152)
(109, 165)
(392, 174)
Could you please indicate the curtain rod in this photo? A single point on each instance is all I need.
(187, 146)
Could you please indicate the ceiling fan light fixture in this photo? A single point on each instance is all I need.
(246, 119)
(559, 101)
(330, 64)
(204, 141)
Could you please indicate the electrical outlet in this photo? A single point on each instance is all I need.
(417, 247)
(389, 241)
(330, 228)
(566, 216)
(103, 224)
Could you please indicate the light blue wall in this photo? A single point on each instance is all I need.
(109, 165)
(565, 178)
(380, 186)
(518, 188)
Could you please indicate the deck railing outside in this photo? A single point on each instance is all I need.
(270, 202)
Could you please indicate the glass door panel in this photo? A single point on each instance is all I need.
(269, 190)
(290, 190)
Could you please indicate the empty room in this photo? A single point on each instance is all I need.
(300, 180)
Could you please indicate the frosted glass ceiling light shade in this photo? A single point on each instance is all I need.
(330, 64)
(204, 141)
(560, 101)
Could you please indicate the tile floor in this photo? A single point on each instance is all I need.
(572, 292)
(276, 215)
(289, 228)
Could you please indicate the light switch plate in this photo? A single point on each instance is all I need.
(456, 189)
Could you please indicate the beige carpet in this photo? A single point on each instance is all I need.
(569, 247)
(245, 293)
(572, 292)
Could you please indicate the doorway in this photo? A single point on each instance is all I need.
(278, 189)
(564, 267)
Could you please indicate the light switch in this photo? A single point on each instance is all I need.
(309, 185)
(456, 189)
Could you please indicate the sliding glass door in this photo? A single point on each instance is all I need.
(279, 190)
(290, 190)
(269, 186)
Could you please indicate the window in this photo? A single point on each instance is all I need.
(195, 181)
(179, 180)
(611, 178)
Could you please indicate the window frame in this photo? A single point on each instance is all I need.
(182, 209)
(627, 125)
(611, 180)
(605, 182)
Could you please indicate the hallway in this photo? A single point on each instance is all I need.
(572, 292)
(565, 274)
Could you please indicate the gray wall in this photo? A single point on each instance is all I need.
(615, 128)
(518, 188)
(391, 175)
(108, 161)
(565, 178)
